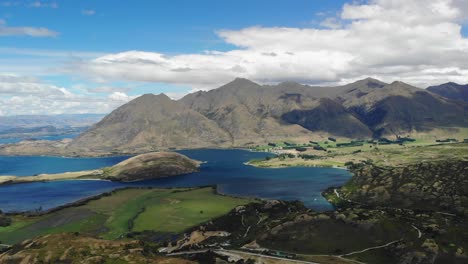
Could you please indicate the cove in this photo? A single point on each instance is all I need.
(223, 167)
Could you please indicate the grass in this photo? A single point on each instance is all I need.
(111, 217)
(181, 211)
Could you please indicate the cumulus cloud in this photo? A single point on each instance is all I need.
(6, 30)
(331, 22)
(409, 40)
(29, 95)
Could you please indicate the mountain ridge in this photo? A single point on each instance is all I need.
(243, 113)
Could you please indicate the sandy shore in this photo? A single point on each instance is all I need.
(89, 174)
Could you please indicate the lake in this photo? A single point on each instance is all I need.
(225, 168)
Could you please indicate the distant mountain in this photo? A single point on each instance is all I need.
(243, 112)
(451, 90)
(57, 121)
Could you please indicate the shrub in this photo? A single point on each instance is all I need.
(5, 221)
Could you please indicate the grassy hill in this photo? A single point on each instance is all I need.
(150, 166)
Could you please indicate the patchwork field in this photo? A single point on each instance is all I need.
(125, 211)
(337, 154)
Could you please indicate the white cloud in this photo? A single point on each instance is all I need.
(119, 96)
(88, 12)
(25, 31)
(107, 89)
(407, 40)
(29, 95)
(331, 22)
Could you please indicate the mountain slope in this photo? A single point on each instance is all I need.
(249, 112)
(451, 90)
(150, 122)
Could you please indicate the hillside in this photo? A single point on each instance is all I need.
(451, 90)
(151, 166)
(436, 186)
(75, 248)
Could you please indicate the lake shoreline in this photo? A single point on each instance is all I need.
(299, 165)
(228, 162)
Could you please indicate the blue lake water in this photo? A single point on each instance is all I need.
(32, 165)
(18, 139)
(225, 168)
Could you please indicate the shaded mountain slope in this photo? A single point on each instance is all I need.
(451, 90)
(329, 116)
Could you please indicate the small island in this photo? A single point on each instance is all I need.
(146, 166)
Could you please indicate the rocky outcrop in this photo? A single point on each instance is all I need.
(437, 186)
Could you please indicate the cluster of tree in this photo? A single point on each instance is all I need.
(350, 144)
(301, 149)
(286, 155)
(5, 221)
(400, 140)
(319, 148)
(309, 156)
(447, 140)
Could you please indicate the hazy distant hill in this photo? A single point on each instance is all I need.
(57, 121)
(451, 90)
(243, 112)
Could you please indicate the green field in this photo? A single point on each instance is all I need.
(111, 217)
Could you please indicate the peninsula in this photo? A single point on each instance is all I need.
(141, 167)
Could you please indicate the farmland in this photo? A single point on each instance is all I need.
(124, 211)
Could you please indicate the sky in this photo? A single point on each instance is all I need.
(92, 56)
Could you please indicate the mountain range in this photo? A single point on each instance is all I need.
(243, 112)
(25, 122)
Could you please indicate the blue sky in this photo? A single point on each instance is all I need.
(165, 26)
(92, 56)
